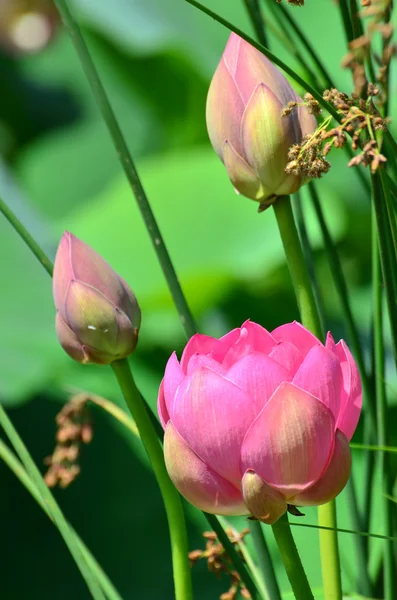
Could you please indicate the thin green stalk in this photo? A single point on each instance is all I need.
(387, 256)
(231, 552)
(367, 534)
(264, 561)
(171, 498)
(389, 589)
(343, 294)
(355, 20)
(51, 505)
(291, 559)
(277, 61)
(248, 559)
(327, 79)
(255, 14)
(19, 471)
(128, 165)
(347, 24)
(27, 238)
(341, 287)
(291, 46)
(330, 561)
(390, 211)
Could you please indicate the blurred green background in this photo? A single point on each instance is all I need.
(59, 171)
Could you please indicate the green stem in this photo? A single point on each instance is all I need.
(291, 559)
(264, 559)
(27, 238)
(17, 468)
(389, 589)
(51, 506)
(277, 61)
(128, 165)
(255, 14)
(329, 552)
(330, 561)
(297, 266)
(171, 498)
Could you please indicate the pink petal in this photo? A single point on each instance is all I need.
(162, 407)
(252, 338)
(173, 376)
(196, 481)
(259, 376)
(241, 175)
(204, 360)
(267, 137)
(198, 344)
(287, 355)
(69, 341)
(320, 375)
(224, 344)
(263, 502)
(260, 339)
(213, 415)
(252, 68)
(290, 442)
(224, 111)
(351, 402)
(334, 478)
(296, 334)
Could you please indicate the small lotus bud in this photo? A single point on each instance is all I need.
(98, 317)
(253, 118)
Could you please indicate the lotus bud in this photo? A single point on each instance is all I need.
(245, 123)
(98, 316)
(257, 421)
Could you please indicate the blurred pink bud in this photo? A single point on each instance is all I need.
(245, 100)
(255, 421)
(98, 317)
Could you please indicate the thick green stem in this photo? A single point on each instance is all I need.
(330, 561)
(389, 590)
(171, 498)
(264, 559)
(297, 266)
(27, 238)
(17, 468)
(129, 168)
(291, 559)
(51, 506)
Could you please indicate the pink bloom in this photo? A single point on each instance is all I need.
(98, 317)
(245, 126)
(256, 420)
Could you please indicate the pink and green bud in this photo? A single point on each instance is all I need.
(256, 421)
(245, 125)
(98, 317)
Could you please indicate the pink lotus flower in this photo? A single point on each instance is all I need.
(98, 317)
(256, 420)
(245, 100)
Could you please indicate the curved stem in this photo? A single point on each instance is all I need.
(27, 238)
(51, 506)
(264, 559)
(171, 498)
(291, 559)
(330, 561)
(129, 168)
(17, 468)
